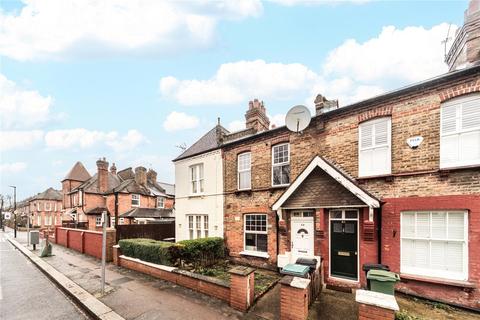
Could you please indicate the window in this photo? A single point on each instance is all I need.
(374, 154)
(48, 206)
(197, 226)
(74, 199)
(281, 164)
(434, 244)
(98, 221)
(196, 175)
(244, 171)
(460, 132)
(55, 220)
(135, 200)
(38, 206)
(48, 220)
(256, 232)
(80, 197)
(55, 206)
(160, 202)
(39, 220)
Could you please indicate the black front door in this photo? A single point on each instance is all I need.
(343, 246)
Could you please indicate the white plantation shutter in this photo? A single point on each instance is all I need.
(436, 244)
(460, 132)
(375, 147)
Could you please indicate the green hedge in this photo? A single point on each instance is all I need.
(199, 252)
(147, 250)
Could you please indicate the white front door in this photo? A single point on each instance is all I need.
(302, 237)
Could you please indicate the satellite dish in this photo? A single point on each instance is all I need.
(298, 118)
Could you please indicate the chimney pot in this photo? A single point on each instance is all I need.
(102, 174)
(256, 116)
(152, 176)
(113, 168)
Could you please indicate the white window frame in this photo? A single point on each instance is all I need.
(256, 253)
(243, 170)
(193, 222)
(280, 164)
(458, 104)
(48, 206)
(39, 219)
(74, 200)
(80, 197)
(429, 272)
(98, 221)
(195, 178)
(160, 202)
(374, 146)
(134, 198)
(38, 206)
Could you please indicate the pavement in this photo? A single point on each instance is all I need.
(26, 293)
(134, 295)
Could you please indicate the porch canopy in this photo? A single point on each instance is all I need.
(322, 185)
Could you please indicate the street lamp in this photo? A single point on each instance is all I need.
(14, 209)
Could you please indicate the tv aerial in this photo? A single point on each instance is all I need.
(298, 118)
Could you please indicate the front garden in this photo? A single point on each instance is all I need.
(204, 256)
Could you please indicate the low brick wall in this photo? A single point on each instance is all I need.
(207, 285)
(85, 241)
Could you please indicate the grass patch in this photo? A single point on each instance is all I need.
(405, 315)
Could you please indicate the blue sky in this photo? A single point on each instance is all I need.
(131, 81)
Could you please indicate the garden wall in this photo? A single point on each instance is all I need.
(233, 294)
(85, 241)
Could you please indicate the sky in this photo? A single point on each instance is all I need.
(132, 81)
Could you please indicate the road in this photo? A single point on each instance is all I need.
(26, 293)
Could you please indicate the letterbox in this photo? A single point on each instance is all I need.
(34, 237)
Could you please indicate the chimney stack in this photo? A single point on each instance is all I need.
(465, 50)
(113, 169)
(256, 116)
(322, 104)
(102, 175)
(141, 176)
(152, 176)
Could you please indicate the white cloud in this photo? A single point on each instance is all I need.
(409, 54)
(236, 82)
(316, 2)
(13, 167)
(277, 120)
(20, 108)
(176, 121)
(53, 29)
(81, 138)
(19, 139)
(236, 125)
(352, 72)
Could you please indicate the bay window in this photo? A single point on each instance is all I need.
(435, 244)
(255, 228)
(281, 164)
(244, 171)
(374, 154)
(460, 132)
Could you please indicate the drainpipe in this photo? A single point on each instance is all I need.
(278, 240)
(379, 235)
(116, 209)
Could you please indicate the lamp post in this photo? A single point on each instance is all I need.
(14, 209)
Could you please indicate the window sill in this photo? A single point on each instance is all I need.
(458, 167)
(246, 191)
(255, 254)
(280, 186)
(448, 282)
(379, 176)
(196, 195)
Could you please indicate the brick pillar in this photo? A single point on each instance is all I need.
(116, 255)
(375, 305)
(294, 298)
(242, 285)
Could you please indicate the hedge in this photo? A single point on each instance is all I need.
(201, 252)
(147, 250)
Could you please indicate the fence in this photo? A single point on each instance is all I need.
(75, 225)
(156, 231)
(85, 241)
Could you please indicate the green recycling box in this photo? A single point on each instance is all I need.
(382, 281)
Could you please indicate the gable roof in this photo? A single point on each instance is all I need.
(147, 213)
(91, 185)
(335, 173)
(78, 173)
(168, 187)
(209, 141)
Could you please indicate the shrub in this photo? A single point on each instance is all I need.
(203, 252)
(147, 250)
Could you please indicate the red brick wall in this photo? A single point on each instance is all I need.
(391, 245)
(205, 287)
(369, 312)
(293, 303)
(91, 242)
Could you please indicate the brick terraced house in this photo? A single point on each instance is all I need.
(394, 179)
(44, 209)
(85, 197)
